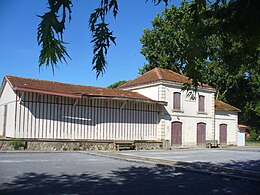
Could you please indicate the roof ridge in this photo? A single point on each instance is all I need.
(176, 73)
(159, 74)
(173, 72)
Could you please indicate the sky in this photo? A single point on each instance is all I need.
(19, 51)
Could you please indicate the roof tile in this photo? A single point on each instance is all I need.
(62, 88)
(222, 106)
(158, 74)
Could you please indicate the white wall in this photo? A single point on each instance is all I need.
(8, 98)
(53, 117)
(151, 92)
(188, 115)
(241, 138)
(189, 129)
(190, 107)
(231, 119)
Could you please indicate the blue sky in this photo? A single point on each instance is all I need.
(19, 51)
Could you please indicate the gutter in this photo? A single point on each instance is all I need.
(47, 92)
(79, 96)
(127, 99)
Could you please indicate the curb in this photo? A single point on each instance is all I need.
(219, 171)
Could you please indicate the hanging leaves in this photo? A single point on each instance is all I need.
(50, 33)
(101, 35)
(52, 26)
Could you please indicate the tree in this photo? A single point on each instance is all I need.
(52, 26)
(117, 84)
(210, 52)
(216, 42)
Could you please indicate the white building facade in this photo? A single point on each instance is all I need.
(194, 119)
(36, 111)
(152, 107)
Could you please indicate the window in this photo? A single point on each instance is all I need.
(201, 103)
(176, 101)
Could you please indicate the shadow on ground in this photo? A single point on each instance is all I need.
(251, 165)
(129, 180)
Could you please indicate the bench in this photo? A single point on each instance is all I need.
(124, 145)
(211, 143)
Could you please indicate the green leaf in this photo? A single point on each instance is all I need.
(50, 33)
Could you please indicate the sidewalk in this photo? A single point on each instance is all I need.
(244, 148)
(198, 167)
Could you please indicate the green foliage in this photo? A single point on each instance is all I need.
(101, 35)
(157, 2)
(254, 135)
(176, 42)
(16, 144)
(239, 18)
(52, 26)
(216, 42)
(50, 33)
(117, 84)
(206, 49)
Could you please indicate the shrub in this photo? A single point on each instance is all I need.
(254, 135)
(16, 144)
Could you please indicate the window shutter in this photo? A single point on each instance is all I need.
(201, 103)
(176, 101)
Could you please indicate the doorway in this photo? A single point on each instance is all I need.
(176, 134)
(201, 133)
(223, 134)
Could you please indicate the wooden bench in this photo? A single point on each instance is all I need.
(125, 145)
(211, 143)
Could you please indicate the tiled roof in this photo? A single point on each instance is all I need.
(240, 126)
(56, 88)
(158, 74)
(222, 106)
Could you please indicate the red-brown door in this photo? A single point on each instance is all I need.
(223, 134)
(176, 133)
(201, 133)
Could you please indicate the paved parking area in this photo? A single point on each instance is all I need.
(79, 173)
(243, 159)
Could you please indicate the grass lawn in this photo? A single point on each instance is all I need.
(248, 143)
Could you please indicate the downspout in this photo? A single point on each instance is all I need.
(214, 129)
(214, 122)
(123, 105)
(21, 97)
(15, 115)
(75, 103)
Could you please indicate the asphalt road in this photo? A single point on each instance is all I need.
(237, 158)
(78, 173)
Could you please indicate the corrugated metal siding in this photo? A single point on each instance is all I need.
(54, 117)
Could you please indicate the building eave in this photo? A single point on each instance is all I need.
(47, 92)
(78, 96)
(166, 82)
(225, 107)
(126, 99)
(2, 86)
(240, 126)
(227, 110)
